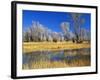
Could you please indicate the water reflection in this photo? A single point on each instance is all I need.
(61, 55)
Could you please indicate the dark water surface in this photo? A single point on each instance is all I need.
(60, 55)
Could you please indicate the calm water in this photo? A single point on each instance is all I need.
(62, 55)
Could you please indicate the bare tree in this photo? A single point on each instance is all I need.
(77, 23)
(85, 35)
(65, 29)
(26, 36)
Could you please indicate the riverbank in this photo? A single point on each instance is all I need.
(39, 46)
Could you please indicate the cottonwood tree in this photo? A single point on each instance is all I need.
(65, 28)
(77, 23)
(26, 36)
(85, 35)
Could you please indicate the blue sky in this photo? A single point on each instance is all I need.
(52, 20)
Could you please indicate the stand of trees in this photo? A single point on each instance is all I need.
(39, 33)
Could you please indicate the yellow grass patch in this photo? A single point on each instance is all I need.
(39, 46)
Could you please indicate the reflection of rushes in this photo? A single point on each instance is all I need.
(58, 64)
(57, 59)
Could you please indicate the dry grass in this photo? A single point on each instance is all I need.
(56, 64)
(39, 46)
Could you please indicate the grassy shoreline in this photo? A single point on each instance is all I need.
(39, 46)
